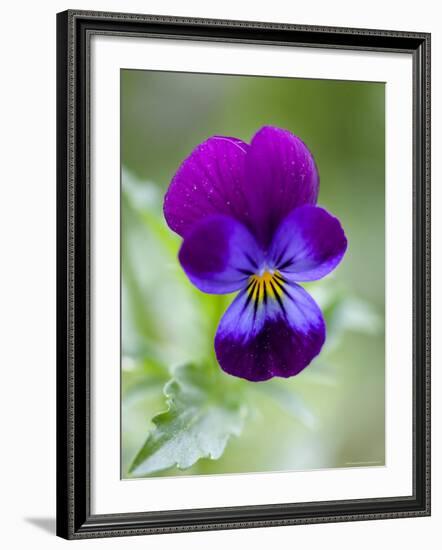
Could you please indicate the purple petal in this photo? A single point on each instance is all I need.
(308, 244)
(265, 334)
(208, 182)
(281, 175)
(219, 254)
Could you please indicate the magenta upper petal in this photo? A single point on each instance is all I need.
(281, 175)
(210, 181)
(260, 339)
(308, 244)
(219, 254)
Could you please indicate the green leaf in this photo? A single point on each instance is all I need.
(358, 316)
(288, 400)
(343, 313)
(145, 202)
(141, 377)
(320, 372)
(198, 423)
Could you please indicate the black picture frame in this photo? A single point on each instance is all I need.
(74, 518)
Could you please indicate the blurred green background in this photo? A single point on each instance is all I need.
(330, 415)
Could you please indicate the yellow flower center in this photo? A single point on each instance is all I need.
(267, 284)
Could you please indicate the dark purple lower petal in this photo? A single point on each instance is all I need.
(308, 244)
(275, 329)
(219, 254)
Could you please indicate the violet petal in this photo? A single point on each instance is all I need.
(219, 254)
(265, 337)
(281, 175)
(208, 182)
(308, 244)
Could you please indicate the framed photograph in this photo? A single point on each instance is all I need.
(243, 274)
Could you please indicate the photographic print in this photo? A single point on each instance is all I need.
(243, 274)
(252, 274)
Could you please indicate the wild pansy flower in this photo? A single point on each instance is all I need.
(249, 220)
